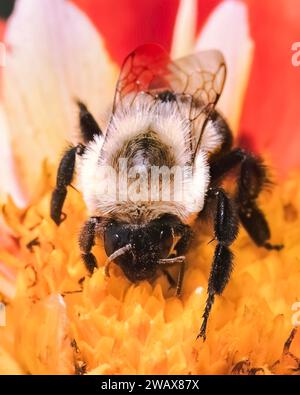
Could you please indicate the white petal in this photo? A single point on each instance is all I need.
(185, 29)
(227, 30)
(50, 352)
(55, 55)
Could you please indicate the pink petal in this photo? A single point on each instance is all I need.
(9, 184)
(55, 55)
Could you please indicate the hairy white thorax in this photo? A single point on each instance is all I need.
(144, 132)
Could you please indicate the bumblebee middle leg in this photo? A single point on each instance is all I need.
(225, 230)
(89, 129)
(64, 178)
(251, 180)
(88, 125)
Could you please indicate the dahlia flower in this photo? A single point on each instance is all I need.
(58, 318)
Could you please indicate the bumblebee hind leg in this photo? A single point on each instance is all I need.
(251, 181)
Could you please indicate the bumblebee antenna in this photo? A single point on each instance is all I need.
(171, 261)
(115, 255)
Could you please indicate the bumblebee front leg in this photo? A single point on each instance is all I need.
(178, 260)
(64, 178)
(225, 230)
(87, 241)
(170, 279)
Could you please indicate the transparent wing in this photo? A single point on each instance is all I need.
(201, 75)
(143, 70)
(197, 80)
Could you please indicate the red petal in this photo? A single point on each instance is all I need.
(205, 7)
(127, 24)
(271, 113)
(2, 27)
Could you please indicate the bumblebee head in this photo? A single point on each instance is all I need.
(137, 249)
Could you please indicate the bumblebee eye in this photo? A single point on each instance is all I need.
(165, 233)
(116, 235)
